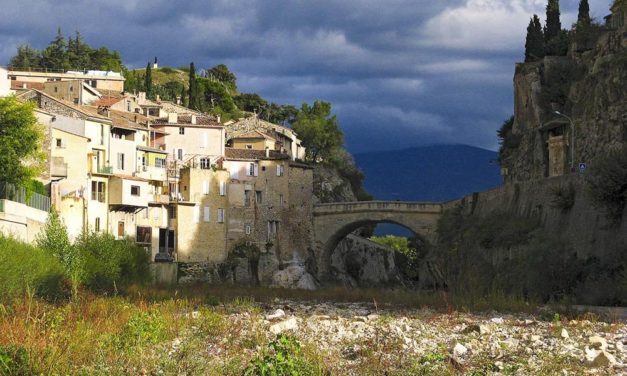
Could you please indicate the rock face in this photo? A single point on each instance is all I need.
(588, 87)
(294, 276)
(359, 262)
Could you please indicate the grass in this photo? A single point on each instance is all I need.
(160, 331)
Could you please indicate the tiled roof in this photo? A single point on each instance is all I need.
(106, 101)
(255, 134)
(249, 154)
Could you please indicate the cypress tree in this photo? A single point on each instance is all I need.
(55, 55)
(193, 90)
(183, 99)
(553, 25)
(148, 81)
(534, 44)
(583, 18)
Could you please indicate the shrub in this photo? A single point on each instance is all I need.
(15, 361)
(283, 358)
(25, 268)
(143, 328)
(563, 197)
(108, 264)
(606, 179)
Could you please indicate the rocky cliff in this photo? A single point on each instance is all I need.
(588, 87)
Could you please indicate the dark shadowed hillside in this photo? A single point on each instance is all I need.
(429, 173)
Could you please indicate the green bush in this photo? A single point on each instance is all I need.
(108, 264)
(15, 361)
(25, 268)
(143, 328)
(283, 358)
(606, 181)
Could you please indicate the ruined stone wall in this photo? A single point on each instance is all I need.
(589, 87)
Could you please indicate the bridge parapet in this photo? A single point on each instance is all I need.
(380, 206)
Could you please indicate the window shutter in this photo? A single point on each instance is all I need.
(220, 215)
(278, 170)
(222, 188)
(256, 168)
(196, 214)
(205, 187)
(206, 214)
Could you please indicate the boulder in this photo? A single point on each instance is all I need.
(285, 325)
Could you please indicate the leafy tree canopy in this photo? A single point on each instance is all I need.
(222, 74)
(318, 130)
(21, 157)
(73, 54)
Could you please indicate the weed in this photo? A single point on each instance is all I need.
(15, 360)
(283, 358)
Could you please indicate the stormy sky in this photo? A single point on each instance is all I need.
(399, 73)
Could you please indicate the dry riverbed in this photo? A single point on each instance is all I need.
(205, 336)
(357, 339)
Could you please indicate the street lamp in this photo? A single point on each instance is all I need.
(572, 140)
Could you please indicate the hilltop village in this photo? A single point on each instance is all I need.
(186, 187)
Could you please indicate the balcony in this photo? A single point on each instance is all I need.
(103, 170)
(161, 199)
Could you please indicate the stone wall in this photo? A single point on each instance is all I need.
(583, 226)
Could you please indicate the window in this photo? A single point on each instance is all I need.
(128, 106)
(253, 170)
(258, 197)
(273, 228)
(120, 161)
(144, 160)
(249, 146)
(220, 215)
(143, 235)
(205, 187)
(281, 201)
(207, 214)
(279, 170)
(247, 197)
(160, 162)
(247, 229)
(205, 163)
(181, 130)
(60, 143)
(98, 191)
(134, 190)
(179, 154)
(172, 212)
(97, 224)
(222, 188)
(146, 213)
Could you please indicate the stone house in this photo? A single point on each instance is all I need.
(75, 91)
(35, 78)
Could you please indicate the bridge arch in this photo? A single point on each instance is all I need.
(333, 222)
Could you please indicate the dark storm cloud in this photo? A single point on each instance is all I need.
(401, 72)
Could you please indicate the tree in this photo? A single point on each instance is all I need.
(21, 157)
(26, 57)
(55, 55)
(553, 24)
(250, 102)
(148, 81)
(583, 17)
(318, 130)
(534, 44)
(192, 93)
(78, 53)
(222, 73)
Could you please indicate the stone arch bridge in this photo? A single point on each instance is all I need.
(333, 221)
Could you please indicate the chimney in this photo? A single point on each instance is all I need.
(218, 118)
(158, 98)
(193, 119)
(178, 99)
(173, 118)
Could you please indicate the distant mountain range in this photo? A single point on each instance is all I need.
(429, 173)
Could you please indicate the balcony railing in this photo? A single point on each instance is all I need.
(19, 194)
(105, 170)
